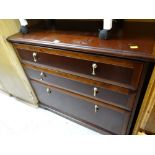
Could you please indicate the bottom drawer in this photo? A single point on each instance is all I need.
(104, 118)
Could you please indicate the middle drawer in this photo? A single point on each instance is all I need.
(105, 95)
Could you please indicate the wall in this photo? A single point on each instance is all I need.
(12, 76)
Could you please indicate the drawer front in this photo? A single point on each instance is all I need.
(102, 94)
(119, 72)
(101, 117)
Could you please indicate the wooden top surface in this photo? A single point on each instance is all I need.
(140, 34)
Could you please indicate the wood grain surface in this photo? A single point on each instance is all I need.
(134, 33)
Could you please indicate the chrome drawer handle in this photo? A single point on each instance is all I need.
(96, 108)
(35, 57)
(48, 91)
(42, 75)
(94, 66)
(95, 91)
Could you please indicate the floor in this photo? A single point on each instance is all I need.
(17, 118)
(26, 130)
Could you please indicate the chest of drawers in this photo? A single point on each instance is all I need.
(92, 82)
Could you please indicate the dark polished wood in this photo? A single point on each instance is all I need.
(104, 95)
(77, 78)
(58, 61)
(78, 55)
(108, 119)
(140, 34)
(76, 120)
(118, 72)
(83, 97)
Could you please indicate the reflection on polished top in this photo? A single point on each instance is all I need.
(134, 40)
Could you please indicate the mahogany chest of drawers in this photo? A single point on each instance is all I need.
(93, 82)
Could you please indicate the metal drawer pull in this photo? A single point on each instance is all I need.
(95, 91)
(94, 66)
(96, 108)
(35, 57)
(48, 91)
(42, 75)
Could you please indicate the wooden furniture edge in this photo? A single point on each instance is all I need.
(147, 105)
(86, 49)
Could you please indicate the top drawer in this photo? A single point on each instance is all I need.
(124, 73)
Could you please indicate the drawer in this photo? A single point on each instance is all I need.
(115, 71)
(102, 94)
(114, 121)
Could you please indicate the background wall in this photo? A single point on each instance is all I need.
(12, 77)
(1, 87)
